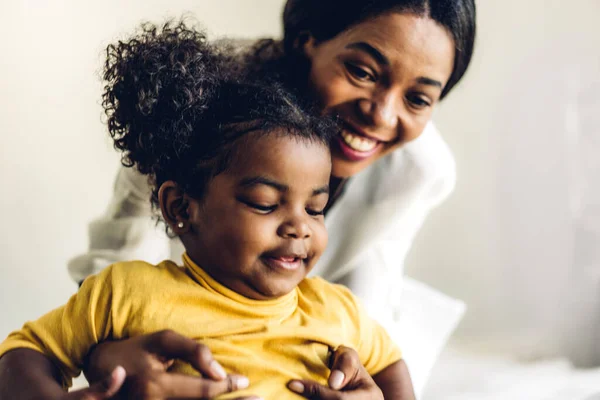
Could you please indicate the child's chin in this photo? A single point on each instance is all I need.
(274, 291)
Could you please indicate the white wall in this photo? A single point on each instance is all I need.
(56, 162)
(511, 240)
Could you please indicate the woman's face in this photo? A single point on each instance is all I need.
(381, 78)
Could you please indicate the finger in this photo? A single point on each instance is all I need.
(180, 386)
(170, 345)
(104, 389)
(345, 366)
(313, 390)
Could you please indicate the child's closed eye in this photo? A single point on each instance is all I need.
(261, 208)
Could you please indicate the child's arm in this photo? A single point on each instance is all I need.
(26, 375)
(52, 349)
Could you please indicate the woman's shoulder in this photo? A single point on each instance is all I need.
(430, 155)
(425, 165)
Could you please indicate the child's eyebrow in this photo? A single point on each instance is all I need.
(261, 180)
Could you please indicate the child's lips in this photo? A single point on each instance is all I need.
(286, 262)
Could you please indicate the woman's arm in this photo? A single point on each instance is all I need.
(350, 380)
(147, 359)
(395, 383)
(127, 231)
(27, 375)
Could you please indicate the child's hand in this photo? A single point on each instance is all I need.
(348, 380)
(146, 360)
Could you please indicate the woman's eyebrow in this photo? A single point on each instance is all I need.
(261, 180)
(428, 81)
(370, 50)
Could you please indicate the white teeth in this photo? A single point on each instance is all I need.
(358, 143)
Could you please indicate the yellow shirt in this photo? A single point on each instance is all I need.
(269, 341)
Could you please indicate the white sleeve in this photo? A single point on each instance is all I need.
(127, 231)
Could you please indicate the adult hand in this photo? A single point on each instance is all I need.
(146, 360)
(105, 389)
(348, 380)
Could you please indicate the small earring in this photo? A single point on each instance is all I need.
(180, 225)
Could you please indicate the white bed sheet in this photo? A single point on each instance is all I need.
(464, 375)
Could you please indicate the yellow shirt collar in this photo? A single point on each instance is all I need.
(284, 304)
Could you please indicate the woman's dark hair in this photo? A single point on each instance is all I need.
(324, 19)
(176, 114)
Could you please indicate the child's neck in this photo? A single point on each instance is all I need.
(236, 285)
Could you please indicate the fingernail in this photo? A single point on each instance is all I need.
(217, 369)
(296, 386)
(241, 382)
(336, 379)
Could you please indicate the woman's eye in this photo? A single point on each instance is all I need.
(315, 212)
(359, 73)
(418, 101)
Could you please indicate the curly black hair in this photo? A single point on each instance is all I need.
(176, 113)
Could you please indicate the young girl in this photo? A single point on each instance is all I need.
(240, 173)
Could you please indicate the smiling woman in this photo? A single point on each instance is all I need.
(381, 78)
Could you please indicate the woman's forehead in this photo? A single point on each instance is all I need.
(397, 29)
(402, 38)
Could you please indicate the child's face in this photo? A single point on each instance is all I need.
(260, 228)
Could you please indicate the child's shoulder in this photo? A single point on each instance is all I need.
(143, 267)
(143, 273)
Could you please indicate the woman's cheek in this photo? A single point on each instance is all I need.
(327, 87)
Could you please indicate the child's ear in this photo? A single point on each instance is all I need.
(174, 205)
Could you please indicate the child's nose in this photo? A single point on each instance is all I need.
(295, 228)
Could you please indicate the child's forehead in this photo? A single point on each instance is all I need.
(281, 155)
(270, 149)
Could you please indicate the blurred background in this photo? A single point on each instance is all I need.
(518, 241)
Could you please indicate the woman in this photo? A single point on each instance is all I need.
(380, 67)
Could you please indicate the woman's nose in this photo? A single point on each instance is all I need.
(295, 228)
(382, 111)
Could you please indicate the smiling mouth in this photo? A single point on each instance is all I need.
(287, 263)
(357, 142)
(356, 147)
